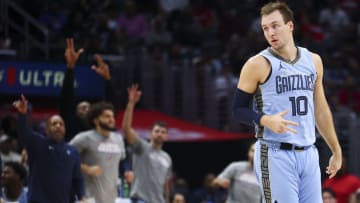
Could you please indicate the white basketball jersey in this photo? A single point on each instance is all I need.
(290, 86)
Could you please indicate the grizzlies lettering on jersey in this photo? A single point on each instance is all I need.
(289, 86)
(294, 82)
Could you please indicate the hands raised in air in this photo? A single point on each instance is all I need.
(71, 56)
(134, 93)
(21, 105)
(101, 68)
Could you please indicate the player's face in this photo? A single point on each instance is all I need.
(82, 108)
(159, 134)
(8, 175)
(276, 31)
(106, 120)
(56, 128)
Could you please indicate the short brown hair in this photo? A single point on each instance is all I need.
(282, 7)
(162, 124)
(97, 109)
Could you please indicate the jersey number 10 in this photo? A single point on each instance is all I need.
(299, 105)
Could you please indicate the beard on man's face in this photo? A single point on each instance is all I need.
(106, 126)
(56, 135)
(158, 140)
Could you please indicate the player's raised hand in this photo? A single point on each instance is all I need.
(278, 124)
(21, 105)
(334, 165)
(71, 56)
(101, 68)
(134, 94)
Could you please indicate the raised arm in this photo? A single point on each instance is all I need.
(134, 96)
(67, 93)
(71, 57)
(103, 70)
(27, 137)
(324, 120)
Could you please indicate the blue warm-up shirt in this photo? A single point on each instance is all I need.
(54, 167)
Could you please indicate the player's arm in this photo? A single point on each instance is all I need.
(324, 120)
(167, 184)
(78, 181)
(67, 93)
(67, 104)
(80, 143)
(134, 96)
(255, 71)
(27, 137)
(167, 191)
(93, 171)
(103, 69)
(251, 75)
(221, 182)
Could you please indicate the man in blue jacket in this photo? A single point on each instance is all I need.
(54, 165)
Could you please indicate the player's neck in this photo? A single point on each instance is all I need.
(156, 146)
(103, 132)
(288, 53)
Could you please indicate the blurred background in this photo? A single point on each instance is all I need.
(186, 56)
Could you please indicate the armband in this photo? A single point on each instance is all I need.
(241, 108)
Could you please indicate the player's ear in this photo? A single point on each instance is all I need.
(291, 25)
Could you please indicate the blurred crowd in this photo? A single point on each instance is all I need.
(219, 33)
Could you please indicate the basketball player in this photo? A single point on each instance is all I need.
(286, 83)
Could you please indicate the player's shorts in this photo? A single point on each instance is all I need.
(287, 173)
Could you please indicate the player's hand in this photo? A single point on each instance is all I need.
(278, 124)
(101, 68)
(94, 171)
(334, 165)
(21, 105)
(71, 56)
(134, 93)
